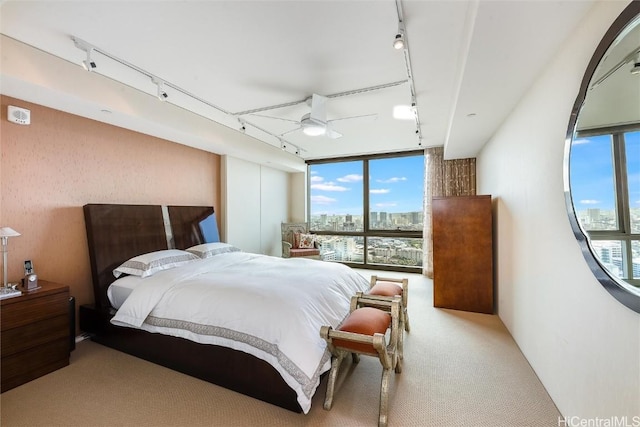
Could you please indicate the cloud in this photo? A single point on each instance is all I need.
(322, 200)
(380, 191)
(580, 141)
(329, 186)
(392, 180)
(350, 178)
(316, 179)
(590, 202)
(386, 205)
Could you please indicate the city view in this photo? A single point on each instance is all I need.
(611, 253)
(395, 198)
(381, 250)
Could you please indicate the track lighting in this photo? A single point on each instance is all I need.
(162, 95)
(398, 43)
(88, 64)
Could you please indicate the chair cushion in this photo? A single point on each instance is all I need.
(366, 321)
(386, 289)
(303, 252)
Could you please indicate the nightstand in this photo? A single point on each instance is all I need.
(34, 334)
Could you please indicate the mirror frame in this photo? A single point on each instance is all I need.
(612, 284)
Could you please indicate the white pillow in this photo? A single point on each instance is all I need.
(147, 264)
(207, 250)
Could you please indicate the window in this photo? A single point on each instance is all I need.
(605, 188)
(374, 222)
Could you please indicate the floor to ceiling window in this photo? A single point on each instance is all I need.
(605, 187)
(367, 211)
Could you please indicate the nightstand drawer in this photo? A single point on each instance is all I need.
(33, 363)
(17, 314)
(34, 334)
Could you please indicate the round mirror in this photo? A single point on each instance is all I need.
(602, 179)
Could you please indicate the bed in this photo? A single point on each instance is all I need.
(277, 364)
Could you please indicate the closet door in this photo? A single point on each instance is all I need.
(463, 253)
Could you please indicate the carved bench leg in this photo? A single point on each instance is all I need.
(331, 384)
(405, 315)
(384, 398)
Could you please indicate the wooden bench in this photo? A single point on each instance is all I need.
(389, 287)
(364, 331)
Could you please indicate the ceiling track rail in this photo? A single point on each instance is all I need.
(407, 62)
(334, 95)
(85, 46)
(630, 57)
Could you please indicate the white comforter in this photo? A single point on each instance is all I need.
(270, 307)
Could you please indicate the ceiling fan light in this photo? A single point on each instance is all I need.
(404, 112)
(314, 130)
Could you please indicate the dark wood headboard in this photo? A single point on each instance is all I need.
(116, 233)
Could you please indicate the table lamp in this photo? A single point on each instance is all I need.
(5, 233)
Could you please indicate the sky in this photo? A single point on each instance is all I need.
(591, 172)
(396, 185)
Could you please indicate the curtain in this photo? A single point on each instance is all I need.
(443, 178)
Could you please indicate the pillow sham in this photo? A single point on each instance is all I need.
(307, 241)
(207, 250)
(147, 264)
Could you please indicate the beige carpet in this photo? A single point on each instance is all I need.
(461, 369)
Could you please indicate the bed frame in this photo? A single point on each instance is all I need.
(116, 233)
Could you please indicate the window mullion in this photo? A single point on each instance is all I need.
(365, 209)
(622, 194)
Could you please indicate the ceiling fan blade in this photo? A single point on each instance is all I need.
(276, 118)
(333, 134)
(330, 133)
(367, 117)
(290, 131)
(318, 108)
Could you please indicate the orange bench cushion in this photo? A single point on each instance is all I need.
(386, 289)
(366, 321)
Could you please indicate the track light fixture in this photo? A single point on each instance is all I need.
(162, 95)
(398, 43)
(88, 63)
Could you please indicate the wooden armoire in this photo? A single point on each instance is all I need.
(463, 253)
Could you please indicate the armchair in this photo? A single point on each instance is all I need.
(297, 242)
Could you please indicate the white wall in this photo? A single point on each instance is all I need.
(255, 199)
(583, 344)
(298, 193)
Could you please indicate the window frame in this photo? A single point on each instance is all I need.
(366, 214)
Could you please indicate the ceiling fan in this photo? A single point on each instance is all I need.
(315, 123)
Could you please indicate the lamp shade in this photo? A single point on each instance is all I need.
(8, 232)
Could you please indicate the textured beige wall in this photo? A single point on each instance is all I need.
(60, 162)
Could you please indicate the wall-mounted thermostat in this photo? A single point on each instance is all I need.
(18, 115)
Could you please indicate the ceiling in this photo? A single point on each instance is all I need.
(469, 63)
